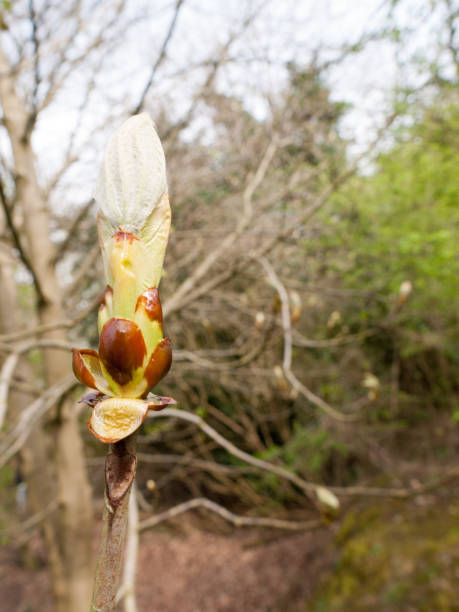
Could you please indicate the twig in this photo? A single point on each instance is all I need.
(287, 357)
(436, 482)
(14, 441)
(64, 66)
(200, 464)
(217, 59)
(31, 119)
(19, 532)
(318, 401)
(308, 487)
(84, 266)
(127, 589)
(195, 292)
(300, 340)
(182, 293)
(10, 365)
(18, 244)
(42, 329)
(235, 519)
(120, 469)
(60, 250)
(160, 58)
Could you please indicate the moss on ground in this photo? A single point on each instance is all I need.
(395, 556)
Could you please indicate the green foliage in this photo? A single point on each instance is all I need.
(309, 451)
(401, 223)
(6, 476)
(398, 224)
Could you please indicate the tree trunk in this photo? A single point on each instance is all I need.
(69, 532)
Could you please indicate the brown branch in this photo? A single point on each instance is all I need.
(31, 119)
(11, 362)
(42, 329)
(181, 294)
(235, 519)
(232, 269)
(183, 355)
(14, 441)
(18, 244)
(200, 464)
(161, 56)
(19, 533)
(217, 59)
(300, 340)
(56, 78)
(127, 589)
(308, 487)
(436, 482)
(120, 469)
(287, 357)
(84, 267)
(60, 250)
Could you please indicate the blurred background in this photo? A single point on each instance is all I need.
(310, 292)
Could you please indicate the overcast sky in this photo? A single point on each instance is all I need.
(290, 30)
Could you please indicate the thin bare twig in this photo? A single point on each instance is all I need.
(216, 60)
(31, 119)
(14, 441)
(182, 293)
(20, 533)
(87, 264)
(19, 246)
(200, 464)
(308, 487)
(60, 250)
(161, 56)
(64, 66)
(195, 292)
(287, 357)
(11, 362)
(126, 591)
(42, 329)
(235, 519)
(435, 482)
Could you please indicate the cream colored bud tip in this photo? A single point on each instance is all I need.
(406, 288)
(132, 177)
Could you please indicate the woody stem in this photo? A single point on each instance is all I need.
(120, 466)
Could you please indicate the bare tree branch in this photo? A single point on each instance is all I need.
(308, 487)
(182, 293)
(126, 591)
(64, 67)
(235, 519)
(36, 69)
(15, 439)
(10, 365)
(61, 249)
(42, 329)
(200, 464)
(161, 56)
(287, 358)
(20, 533)
(18, 244)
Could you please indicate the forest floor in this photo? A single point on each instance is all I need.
(192, 571)
(389, 556)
